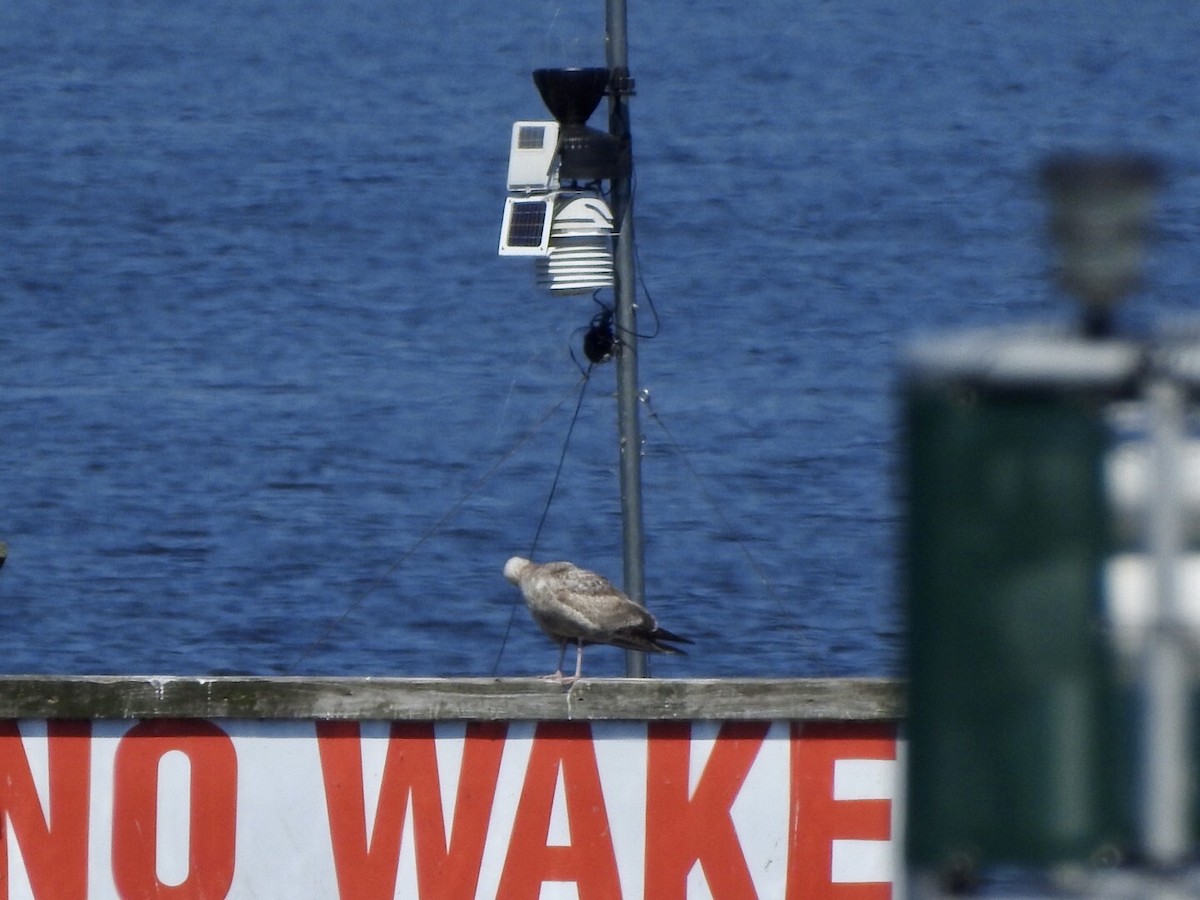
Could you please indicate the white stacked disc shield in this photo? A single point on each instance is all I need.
(580, 258)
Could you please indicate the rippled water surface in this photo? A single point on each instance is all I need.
(271, 402)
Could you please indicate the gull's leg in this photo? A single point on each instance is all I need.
(571, 679)
(562, 654)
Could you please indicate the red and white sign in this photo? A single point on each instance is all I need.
(191, 809)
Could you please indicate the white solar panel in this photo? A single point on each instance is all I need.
(533, 156)
(525, 230)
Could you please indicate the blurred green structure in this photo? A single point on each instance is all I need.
(1017, 747)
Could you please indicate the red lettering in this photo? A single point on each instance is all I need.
(212, 811)
(816, 818)
(368, 869)
(683, 830)
(54, 846)
(589, 860)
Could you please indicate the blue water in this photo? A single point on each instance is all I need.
(270, 402)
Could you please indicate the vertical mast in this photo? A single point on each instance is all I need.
(620, 88)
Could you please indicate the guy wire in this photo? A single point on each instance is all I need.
(678, 449)
(546, 510)
(429, 532)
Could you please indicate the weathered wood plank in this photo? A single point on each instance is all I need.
(128, 697)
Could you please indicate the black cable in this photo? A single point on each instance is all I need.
(357, 601)
(545, 511)
(637, 255)
(637, 261)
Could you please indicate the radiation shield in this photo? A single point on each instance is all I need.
(1017, 748)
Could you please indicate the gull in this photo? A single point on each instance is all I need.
(573, 604)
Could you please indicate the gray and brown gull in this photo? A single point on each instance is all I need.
(574, 605)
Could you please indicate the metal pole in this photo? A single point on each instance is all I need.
(1166, 780)
(620, 87)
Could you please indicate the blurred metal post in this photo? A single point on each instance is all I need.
(1165, 766)
(620, 87)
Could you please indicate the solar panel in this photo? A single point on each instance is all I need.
(533, 156)
(531, 137)
(526, 223)
(526, 227)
